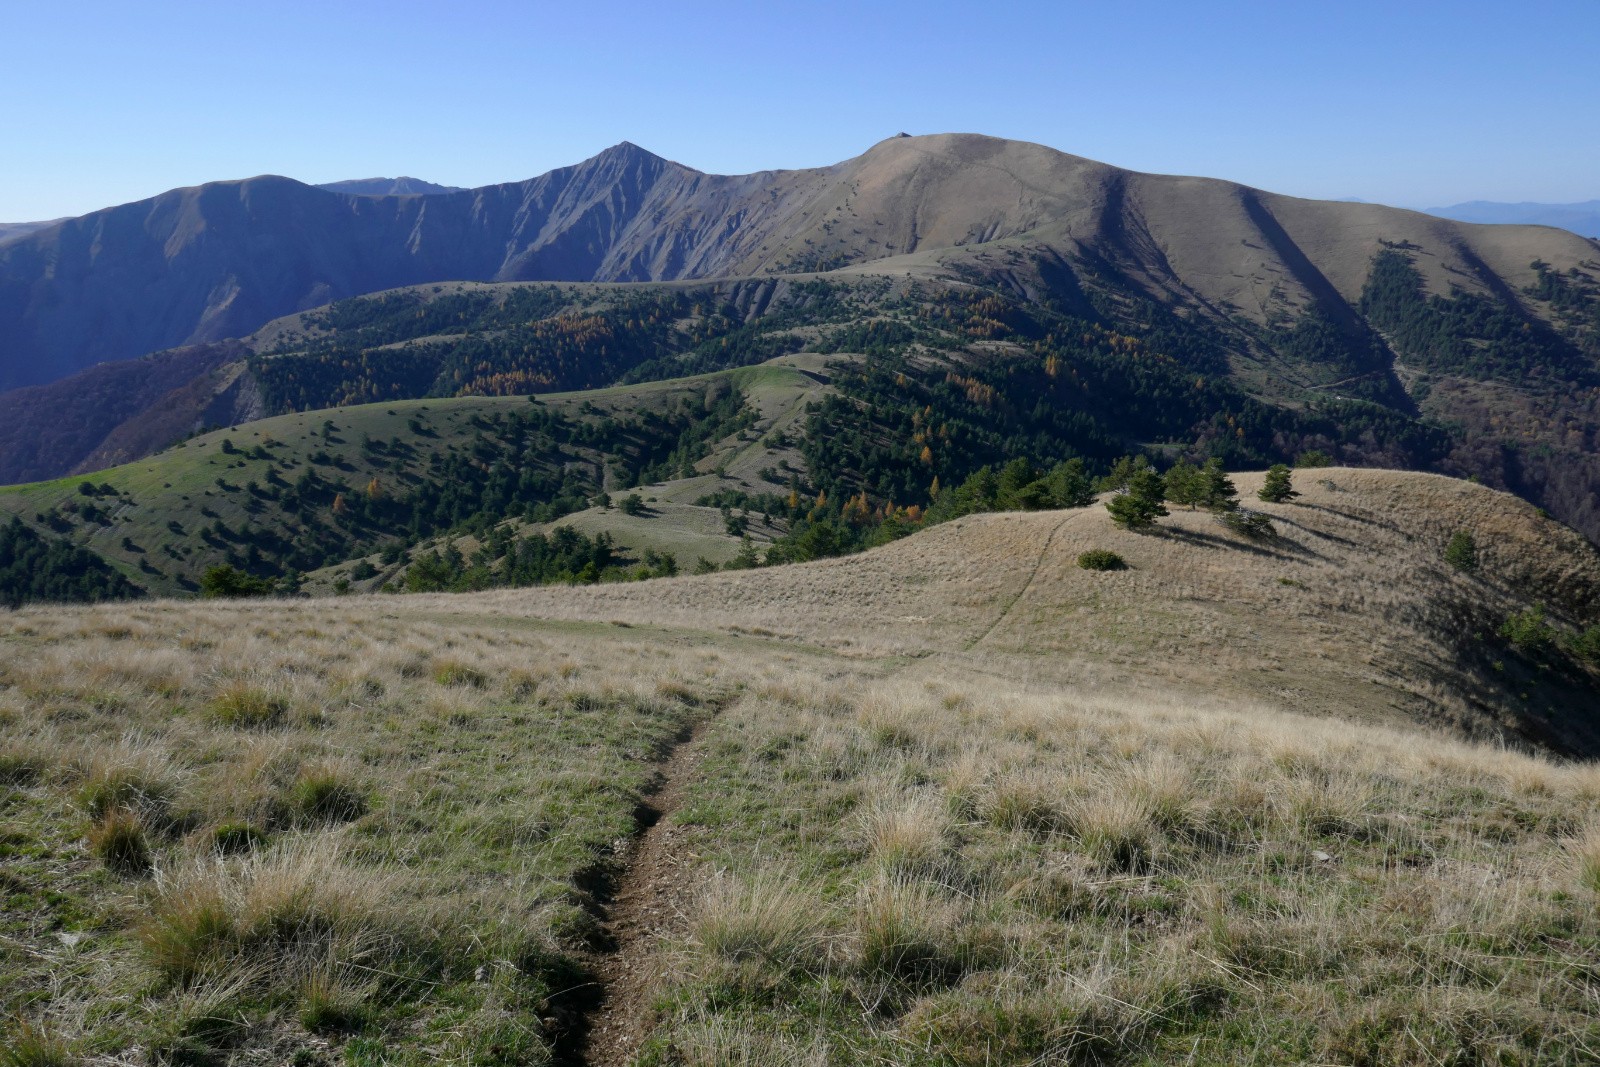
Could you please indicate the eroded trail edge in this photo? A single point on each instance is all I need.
(644, 905)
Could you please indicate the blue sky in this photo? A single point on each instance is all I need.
(1409, 101)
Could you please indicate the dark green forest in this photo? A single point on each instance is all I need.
(34, 567)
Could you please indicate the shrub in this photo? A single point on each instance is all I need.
(1249, 523)
(247, 708)
(1586, 646)
(326, 794)
(1462, 551)
(118, 840)
(1100, 559)
(1527, 630)
(228, 582)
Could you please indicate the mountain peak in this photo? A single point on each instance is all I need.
(627, 152)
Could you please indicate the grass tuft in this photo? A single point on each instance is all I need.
(118, 840)
(454, 673)
(128, 783)
(760, 917)
(27, 1045)
(20, 766)
(232, 838)
(907, 930)
(327, 794)
(246, 707)
(1585, 852)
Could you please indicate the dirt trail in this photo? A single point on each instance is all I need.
(1005, 612)
(645, 905)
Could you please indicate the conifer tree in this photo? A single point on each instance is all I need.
(1217, 491)
(1140, 505)
(1069, 485)
(1277, 489)
(1186, 484)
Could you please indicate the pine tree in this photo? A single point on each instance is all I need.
(1069, 485)
(1121, 474)
(1141, 504)
(1277, 489)
(1217, 491)
(1186, 484)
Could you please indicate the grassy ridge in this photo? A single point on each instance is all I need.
(405, 470)
(383, 831)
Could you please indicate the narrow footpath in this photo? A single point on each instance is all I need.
(645, 905)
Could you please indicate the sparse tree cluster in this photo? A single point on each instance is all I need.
(1142, 495)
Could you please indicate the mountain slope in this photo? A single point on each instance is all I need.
(215, 261)
(1351, 611)
(510, 829)
(115, 412)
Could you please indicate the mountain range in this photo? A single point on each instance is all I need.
(1384, 336)
(1581, 218)
(220, 260)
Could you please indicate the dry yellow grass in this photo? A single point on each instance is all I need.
(963, 802)
(1350, 612)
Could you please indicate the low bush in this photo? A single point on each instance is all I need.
(1462, 551)
(1527, 629)
(1100, 559)
(1249, 523)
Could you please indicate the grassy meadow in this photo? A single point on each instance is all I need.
(277, 833)
(941, 804)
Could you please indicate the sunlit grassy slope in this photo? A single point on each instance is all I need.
(957, 801)
(152, 526)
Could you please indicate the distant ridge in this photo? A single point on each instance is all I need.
(11, 231)
(216, 261)
(1582, 218)
(388, 187)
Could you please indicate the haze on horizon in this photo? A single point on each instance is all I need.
(1420, 105)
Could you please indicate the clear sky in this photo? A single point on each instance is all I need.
(1411, 102)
